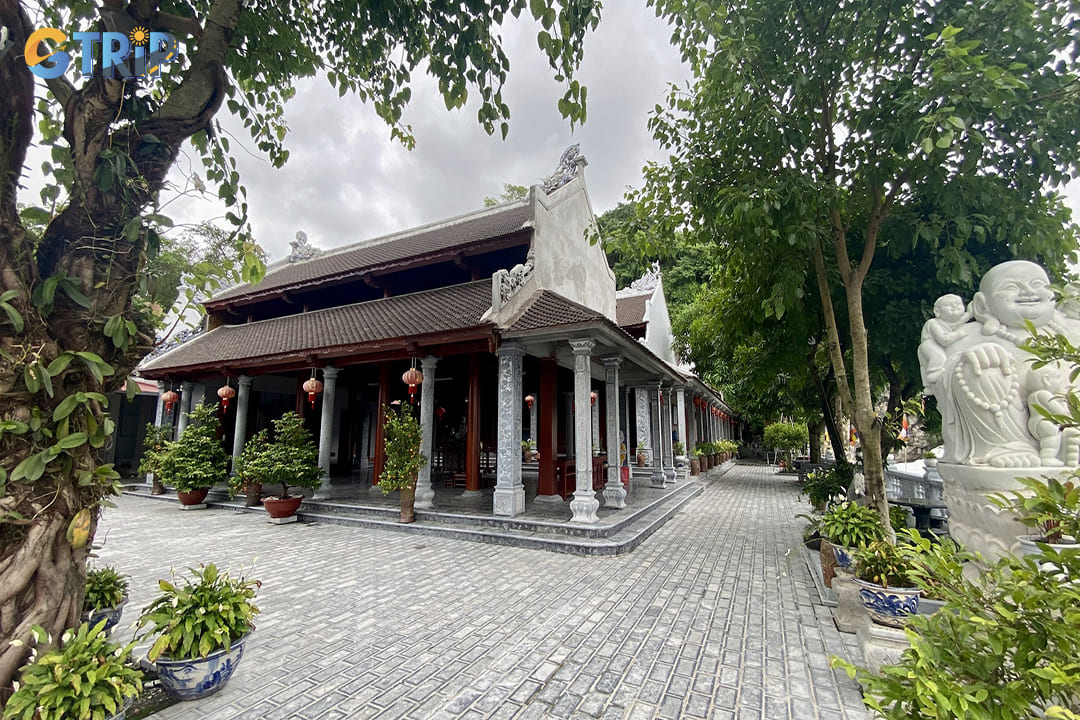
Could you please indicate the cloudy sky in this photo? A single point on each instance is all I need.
(347, 181)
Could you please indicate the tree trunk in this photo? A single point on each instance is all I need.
(814, 427)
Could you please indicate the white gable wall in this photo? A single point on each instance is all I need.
(658, 334)
(566, 263)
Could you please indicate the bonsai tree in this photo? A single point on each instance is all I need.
(786, 438)
(290, 459)
(86, 677)
(155, 442)
(196, 459)
(248, 470)
(402, 434)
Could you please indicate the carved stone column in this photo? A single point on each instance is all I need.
(584, 504)
(187, 389)
(425, 494)
(594, 411)
(643, 419)
(532, 424)
(326, 427)
(243, 401)
(680, 419)
(666, 449)
(658, 479)
(509, 497)
(614, 492)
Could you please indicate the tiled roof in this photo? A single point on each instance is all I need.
(630, 309)
(443, 237)
(458, 307)
(548, 309)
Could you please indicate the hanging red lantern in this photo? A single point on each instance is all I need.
(312, 387)
(440, 411)
(529, 400)
(412, 377)
(226, 392)
(169, 397)
(592, 397)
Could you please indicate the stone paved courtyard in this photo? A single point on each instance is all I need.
(714, 616)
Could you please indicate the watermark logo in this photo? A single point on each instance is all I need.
(139, 53)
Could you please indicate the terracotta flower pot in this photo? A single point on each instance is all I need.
(192, 497)
(407, 513)
(282, 507)
(695, 466)
(252, 494)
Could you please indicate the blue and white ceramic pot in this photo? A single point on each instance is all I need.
(197, 678)
(888, 606)
(111, 616)
(845, 556)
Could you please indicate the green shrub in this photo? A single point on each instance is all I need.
(195, 619)
(105, 588)
(825, 484)
(87, 678)
(883, 564)
(1007, 646)
(851, 525)
(402, 435)
(155, 442)
(289, 459)
(1051, 508)
(196, 459)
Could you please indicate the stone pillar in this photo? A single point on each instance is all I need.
(594, 412)
(186, 391)
(658, 479)
(509, 497)
(584, 504)
(424, 492)
(614, 492)
(643, 419)
(532, 422)
(666, 449)
(680, 419)
(243, 401)
(326, 427)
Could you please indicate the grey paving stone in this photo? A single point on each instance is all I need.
(710, 616)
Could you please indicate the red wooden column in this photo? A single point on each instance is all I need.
(546, 446)
(380, 419)
(472, 427)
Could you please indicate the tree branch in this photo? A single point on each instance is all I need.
(832, 335)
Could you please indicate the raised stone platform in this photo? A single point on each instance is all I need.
(541, 527)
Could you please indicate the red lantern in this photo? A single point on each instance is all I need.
(169, 397)
(592, 397)
(312, 387)
(529, 400)
(412, 377)
(226, 393)
(440, 411)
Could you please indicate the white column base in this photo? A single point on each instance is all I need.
(509, 502)
(472, 494)
(425, 497)
(658, 479)
(615, 496)
(584, 509)
(551, 499)
(325, 492)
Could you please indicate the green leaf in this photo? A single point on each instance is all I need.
(73, 440)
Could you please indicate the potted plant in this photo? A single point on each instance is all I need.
(929, 459)
(87, 676)
(201, 628)
(825, 485)
(155, 441)
(848, 526)
(403, 461)
(106, 595)
(642, 456)
(195, 462)
(1049, 507)
(887, 588)
(528, 448)
(249, 472)
(290, 459)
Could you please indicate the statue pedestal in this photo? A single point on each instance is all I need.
(973, 520)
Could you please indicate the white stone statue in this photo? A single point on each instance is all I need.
(987, 391)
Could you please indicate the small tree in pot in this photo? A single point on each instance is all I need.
(402, 435)
(290, 459)
(155, 442)
(195, 462)
(248, 472)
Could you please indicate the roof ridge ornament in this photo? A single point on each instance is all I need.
(570, 164)
(504, 283)
(650, 279)
(302, 249)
